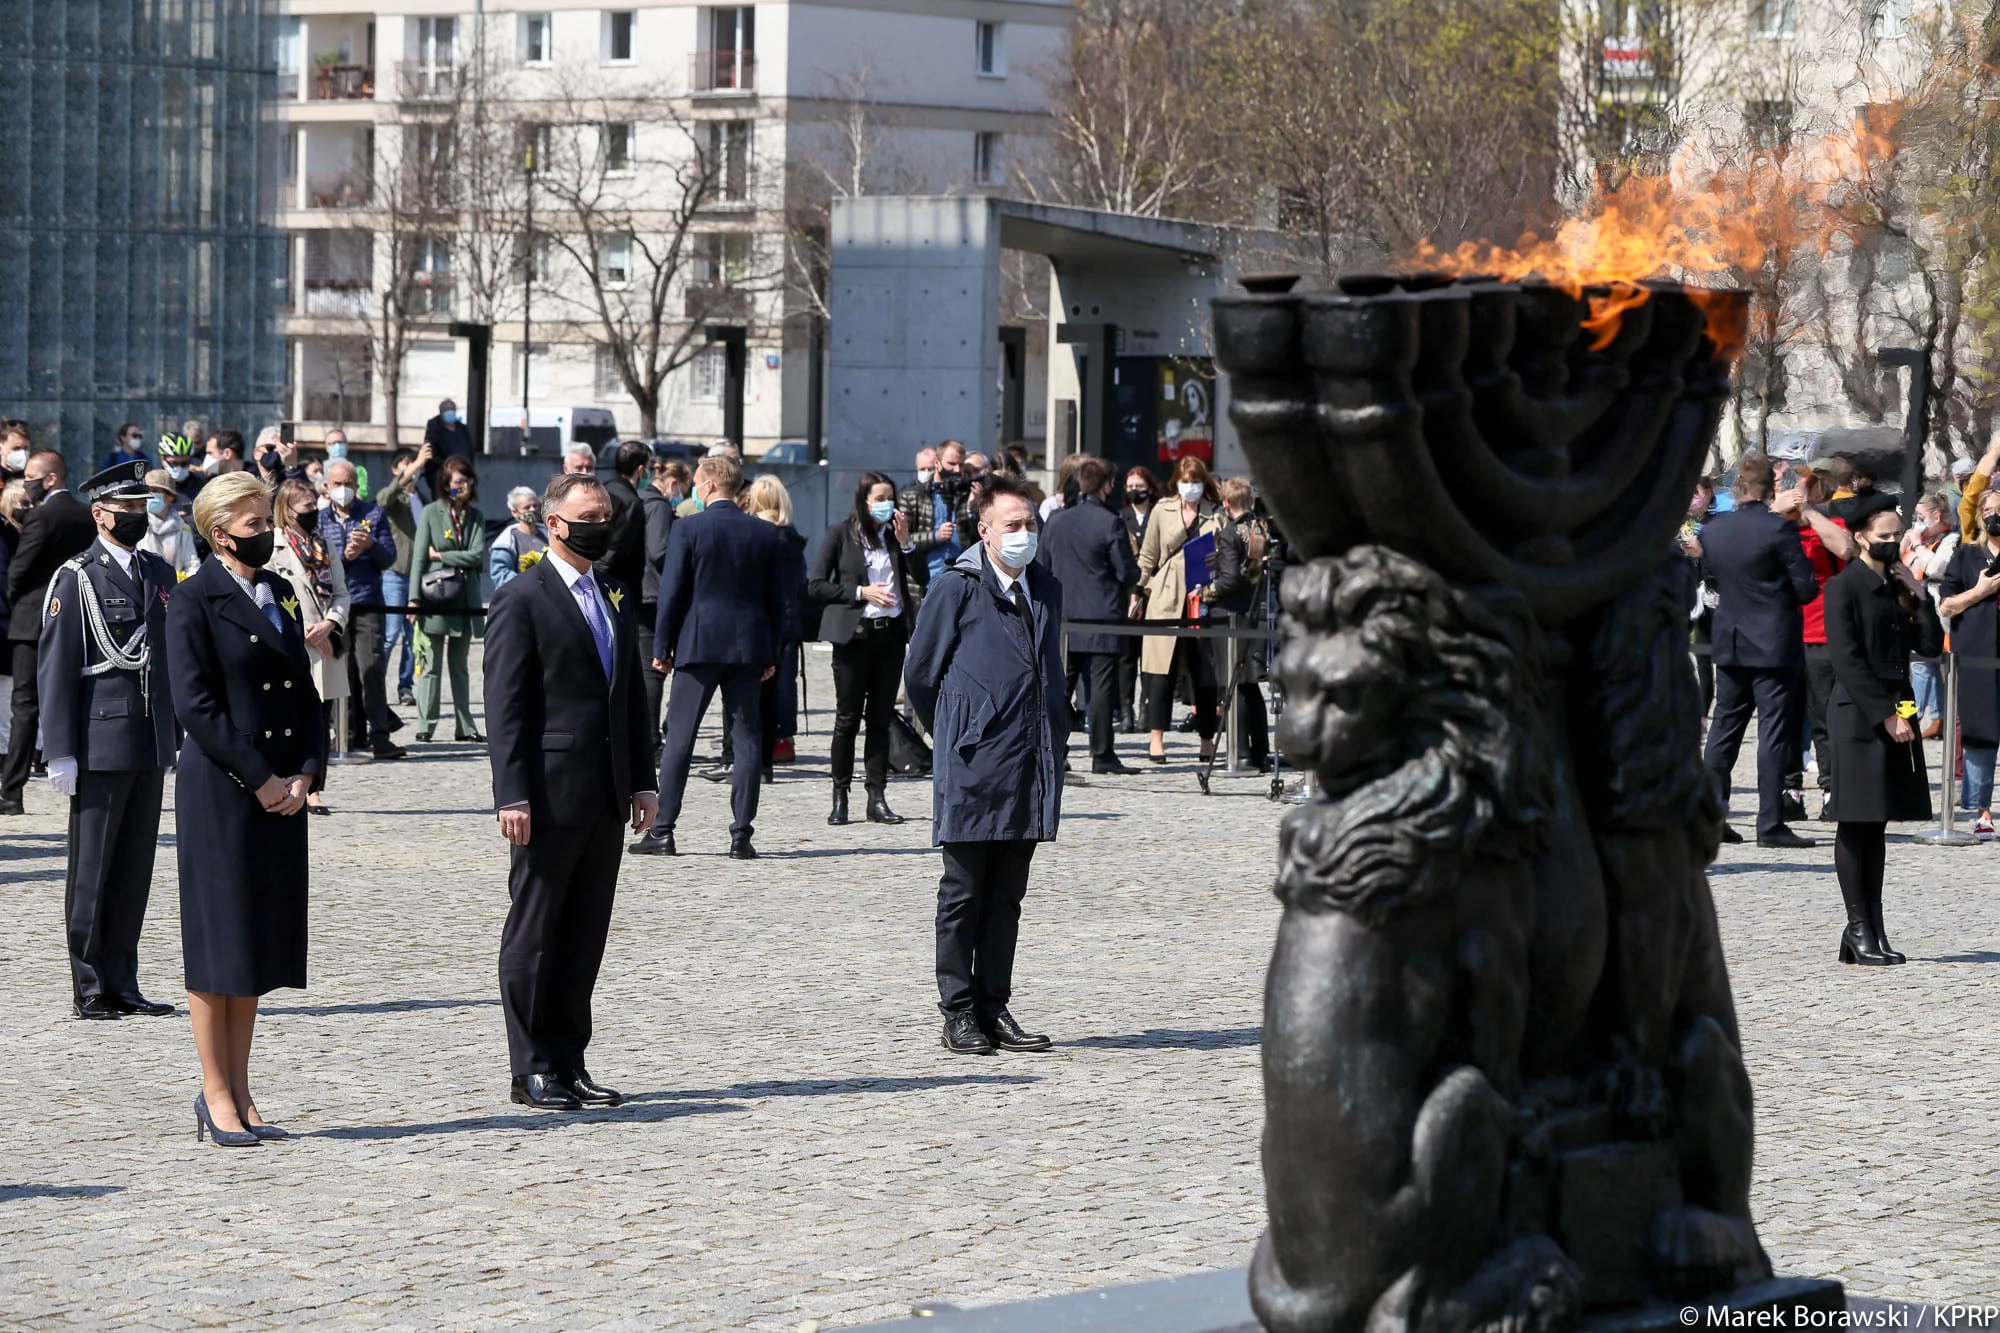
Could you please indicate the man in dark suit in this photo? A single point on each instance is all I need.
(563, 699)
(448, 436)
(1085, 547)
(656, 512)
(625, 562)
(57, 528)
(1761, 579)
(722, 603)
(108, 734)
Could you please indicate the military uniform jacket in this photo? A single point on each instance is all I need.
(113, 720)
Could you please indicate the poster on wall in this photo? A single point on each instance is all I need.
(1186, 408)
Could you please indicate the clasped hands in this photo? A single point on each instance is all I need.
(284, 796)
(516, 823)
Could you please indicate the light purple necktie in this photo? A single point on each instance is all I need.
(593, 615)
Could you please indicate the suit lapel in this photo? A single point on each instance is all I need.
(559, 592)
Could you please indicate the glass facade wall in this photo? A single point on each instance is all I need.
(141, 269)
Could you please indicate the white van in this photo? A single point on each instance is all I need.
(550, 429)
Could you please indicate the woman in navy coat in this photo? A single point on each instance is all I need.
(243, 690)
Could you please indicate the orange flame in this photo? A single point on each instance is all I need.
(1713, 214)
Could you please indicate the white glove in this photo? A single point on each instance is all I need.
(62, 775)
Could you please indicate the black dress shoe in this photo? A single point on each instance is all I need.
(136, 1003)
(1115, 766)
(838, 815)
(471, 737)
(96, 1006)
(657, 842)
(1004, 1032)
(1728, 834)
(1786, 839)
(11, 805)
(740, 848)
(545, 1092)
(963, 1037)
(589, 1093)
(879, 811)
(1152, 758)
(389, 750)
(719, 773)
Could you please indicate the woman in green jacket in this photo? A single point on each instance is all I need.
(450, 539)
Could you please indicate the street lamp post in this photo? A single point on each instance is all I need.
(528, 295)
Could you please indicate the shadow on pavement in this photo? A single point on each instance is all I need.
(383, 1007)
(1773, 867)
(626, 1114)
(9, 1193)
(1977, 956)
(833, 1087)
(1170, 1039)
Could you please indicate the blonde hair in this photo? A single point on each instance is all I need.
(768, 499)
(222, 496)
(721, 472)
(1237, 492)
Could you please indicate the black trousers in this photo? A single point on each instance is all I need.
(867, 671)
(694, 686)
(1252, 723)
(114, 825)
(979, 923)
(562, 885)
(1160, 690)
(1773, 693)
(1128, 676)
(367, 680)
(1818, 687)
(656, 681)
(1098, 672)
(27, 722)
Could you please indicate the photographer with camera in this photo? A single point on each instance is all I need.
(937, 507)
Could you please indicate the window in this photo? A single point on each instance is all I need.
(614, 261)
(616, 146)
(1768, 124)
(989, 53)
(537, 147)
(618, 26)
(535, 48)
(721, 258)
(431, 276)
(610, 384)
(726, 61)
(705, 374)
(434, 70)
(535, 259)
(729, 159)
(1777, 18)
(536, 371)
(986, 157)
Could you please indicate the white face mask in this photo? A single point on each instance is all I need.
(1190, 491)
(17, 461)
(342, 496)
(923, 476)
(1017, 549)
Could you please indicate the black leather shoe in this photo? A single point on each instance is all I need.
(11, 805)
(838, 815)
(389, 750)
(470, 737)
(136, 1003)
(879, 811)
(740, 848)
(1004, 1032)
(1114, 766)
(1728, 834)
(544, 1092)
(657, 842)
(719, 773)
(1786, 839)
(963, 1037)
(589, 1093)
(96, 1006)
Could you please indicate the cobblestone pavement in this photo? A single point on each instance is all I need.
(796, 1147)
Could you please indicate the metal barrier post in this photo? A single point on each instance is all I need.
(339, 748)
(1947, 834)
(1229, 701)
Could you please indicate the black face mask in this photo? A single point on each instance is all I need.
(35, 489)
(1993, 525)
(1884, 553)
(252, 551)
(1138, 499)
(127, 529)
(270, 462)
(589, 540)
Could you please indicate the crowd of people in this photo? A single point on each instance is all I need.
(223, 609)
(1821, 612)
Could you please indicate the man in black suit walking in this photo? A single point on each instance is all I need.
(58, 527)
(721, 605)
(1761, 579)
(1085, 547)
(564, 699)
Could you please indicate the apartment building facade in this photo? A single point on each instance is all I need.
(611, 190)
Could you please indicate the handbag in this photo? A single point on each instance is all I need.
(909, 754)
(441, 585)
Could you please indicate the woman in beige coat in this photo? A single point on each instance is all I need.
(1191, 509)
(302, 559)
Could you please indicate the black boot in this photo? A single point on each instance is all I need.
(839, 813)
(878, 808)
(1859, 943)
(1881, 933)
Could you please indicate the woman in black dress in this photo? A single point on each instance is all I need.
(1876, 617)
(255, 748)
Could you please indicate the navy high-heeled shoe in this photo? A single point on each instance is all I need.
(224, 1138)
(268, 1131)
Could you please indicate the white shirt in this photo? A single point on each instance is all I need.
(881, 569)
(258, 592)
(570, 577)
(118, 553)
(1007, 582)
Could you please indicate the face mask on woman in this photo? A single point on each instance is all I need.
(1138, 499)
(1884, 553)
(1993, 525)
(1190, 491)
(156, 505)
(882, 511)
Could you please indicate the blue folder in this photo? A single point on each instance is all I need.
(1196, 554)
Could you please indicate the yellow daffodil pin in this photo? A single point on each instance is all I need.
(290, 606)
(617, 596)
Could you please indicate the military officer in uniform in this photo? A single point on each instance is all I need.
(108, 735)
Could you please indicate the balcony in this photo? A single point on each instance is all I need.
(1628, 59)
(337, 190)
(337, 298)
(343, 83)
(333, 405)
(716, 300)
(421, 81)
(723, 72)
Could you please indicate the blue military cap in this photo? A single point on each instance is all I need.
(125, 481)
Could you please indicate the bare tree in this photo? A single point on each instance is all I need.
(413, 217)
